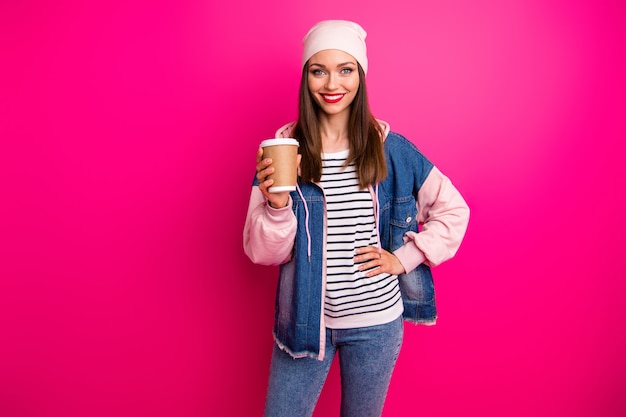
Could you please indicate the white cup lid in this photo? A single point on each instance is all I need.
(282, 188)
(279, 141)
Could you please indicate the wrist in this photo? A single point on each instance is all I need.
(278, 206)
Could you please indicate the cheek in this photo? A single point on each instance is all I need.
(313, 83)
(354, 84)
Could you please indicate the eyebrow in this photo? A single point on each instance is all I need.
(343, 64)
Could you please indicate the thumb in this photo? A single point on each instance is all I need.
(299, 159)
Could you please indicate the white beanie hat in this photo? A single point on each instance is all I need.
(343, 35)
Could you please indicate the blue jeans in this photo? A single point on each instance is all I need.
(367, 356)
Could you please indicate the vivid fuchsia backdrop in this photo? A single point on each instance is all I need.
(128, 133)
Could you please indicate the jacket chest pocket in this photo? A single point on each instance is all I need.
(403, 218)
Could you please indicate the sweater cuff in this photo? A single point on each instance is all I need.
(409, 256)
(278, 214)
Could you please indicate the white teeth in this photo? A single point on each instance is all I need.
(337, 97)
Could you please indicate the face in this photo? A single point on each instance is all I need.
(333, 79)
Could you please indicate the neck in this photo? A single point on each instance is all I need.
(334, 132)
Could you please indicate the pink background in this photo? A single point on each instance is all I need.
(128, 138)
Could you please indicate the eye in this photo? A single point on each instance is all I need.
(317, 72)
(346, 71)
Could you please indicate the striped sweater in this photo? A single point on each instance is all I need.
(352, 299)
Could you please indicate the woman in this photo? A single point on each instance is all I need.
(352, 260)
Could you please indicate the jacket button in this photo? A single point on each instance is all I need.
(408, 219)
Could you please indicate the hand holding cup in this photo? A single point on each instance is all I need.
(277, 169)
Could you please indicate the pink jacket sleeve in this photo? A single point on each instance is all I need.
(444, 216)
(268, 234)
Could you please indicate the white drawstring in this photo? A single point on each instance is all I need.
(306, 219)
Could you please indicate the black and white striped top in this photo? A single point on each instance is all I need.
(352, 299)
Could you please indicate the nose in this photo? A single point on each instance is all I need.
(331, 82)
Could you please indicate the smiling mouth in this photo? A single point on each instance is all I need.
(332, 98)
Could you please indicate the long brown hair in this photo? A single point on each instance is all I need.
(364, 133)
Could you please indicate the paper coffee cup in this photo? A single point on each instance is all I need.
(284, 154)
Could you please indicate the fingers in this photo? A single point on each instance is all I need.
(262, 165)
(369, 257)
(263, 169)
(368, 252)
(376, 261)
(299, 158)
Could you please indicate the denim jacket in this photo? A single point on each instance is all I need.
(415, 192)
